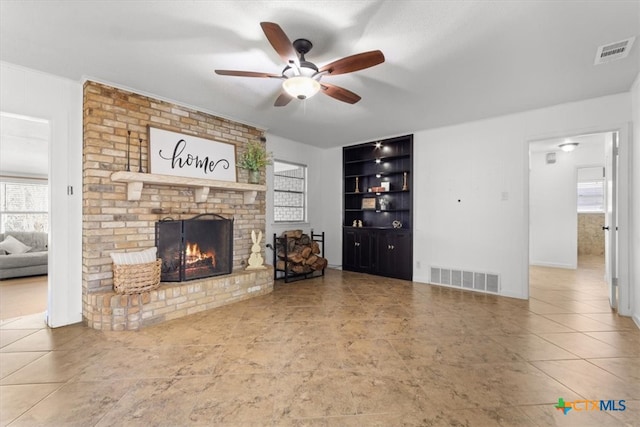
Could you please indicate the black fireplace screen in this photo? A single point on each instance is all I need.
(195, 248)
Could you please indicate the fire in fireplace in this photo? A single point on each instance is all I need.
(195, 248)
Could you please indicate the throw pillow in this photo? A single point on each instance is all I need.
(140, 257)
(14, 246)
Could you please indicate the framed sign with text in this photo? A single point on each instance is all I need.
(177, 154)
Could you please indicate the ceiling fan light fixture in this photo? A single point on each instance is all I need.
(568, 146)
(301, 87)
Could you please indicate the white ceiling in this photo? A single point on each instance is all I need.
(24, 146)
(447, 62)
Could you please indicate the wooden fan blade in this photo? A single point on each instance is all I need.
(355, 62)
(245, 73)
(339, 93)
(279, 41)
(283, 100)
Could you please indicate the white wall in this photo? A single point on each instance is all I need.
(332, 207)
(484, 164)
(553, 201)
(30, 93)
(635, 203)
(312, 157)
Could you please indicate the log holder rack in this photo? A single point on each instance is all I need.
(287, 274)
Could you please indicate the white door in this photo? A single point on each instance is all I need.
(610, 227)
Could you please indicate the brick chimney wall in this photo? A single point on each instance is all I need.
(111, 222)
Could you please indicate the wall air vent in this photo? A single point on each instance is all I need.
(471, 280)
(614, 51)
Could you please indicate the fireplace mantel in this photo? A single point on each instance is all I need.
(136, 180)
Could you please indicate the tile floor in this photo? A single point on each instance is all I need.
(343, 350)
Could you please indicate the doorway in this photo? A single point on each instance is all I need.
(25, 209)
(567, 205)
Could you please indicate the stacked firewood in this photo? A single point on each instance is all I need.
(301, 253)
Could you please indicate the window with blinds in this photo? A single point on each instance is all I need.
(24, 206)
(289, 192)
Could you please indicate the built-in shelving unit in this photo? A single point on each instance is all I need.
(135, 181)
(377, 207)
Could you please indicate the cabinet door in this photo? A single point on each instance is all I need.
(394, 255)
(366, 240)
(349, 250)
(403, 250)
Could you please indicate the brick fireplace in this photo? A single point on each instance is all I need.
(113, 221)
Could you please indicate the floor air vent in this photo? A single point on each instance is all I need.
(472, 280)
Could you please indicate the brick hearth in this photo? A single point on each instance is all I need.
(112, 312)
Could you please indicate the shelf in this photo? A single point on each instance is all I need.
(374, 193)
(201, 187)
(376, 210)
(381, 173)
(351, 227)
(373, 159)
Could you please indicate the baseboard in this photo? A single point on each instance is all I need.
(636, 319)
(553, 265)
(421, 279)
(512, 295)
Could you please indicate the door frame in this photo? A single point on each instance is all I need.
(623, 210)
(30, 93)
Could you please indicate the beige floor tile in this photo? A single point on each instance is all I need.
(161, 401)
(313, 356)
(538, 324)
(76, 404)
(628, 417)
(53, 367)
(253, 358)
(44, 339)
(315, 394)
(163, 362)
(548, 415)
(236, 398)
(32, 321)
(11, 362)
(373, 356)
(627, 369)
(628, 342)
(541, 307)
(613, 319)
(532, 347)
(8, 336)
(18, 399)
(484, 385)
(378, 393)
(581, 345)
(590, 381)
(580, 323)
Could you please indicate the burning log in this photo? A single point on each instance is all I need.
(299, 253)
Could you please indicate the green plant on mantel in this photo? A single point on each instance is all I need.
(255, 157)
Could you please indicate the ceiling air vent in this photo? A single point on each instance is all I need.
(613, 51)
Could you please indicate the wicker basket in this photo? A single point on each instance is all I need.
(136, 278)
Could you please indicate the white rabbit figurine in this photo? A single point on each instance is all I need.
(255, 260)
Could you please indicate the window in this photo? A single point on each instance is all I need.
(289, 192)
(591, 196)
(24, 206)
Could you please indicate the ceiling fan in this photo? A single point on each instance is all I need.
(301, 78)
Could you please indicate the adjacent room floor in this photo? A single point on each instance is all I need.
(22, 296)
(343, 350)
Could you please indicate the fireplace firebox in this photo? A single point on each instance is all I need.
(195, 248)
